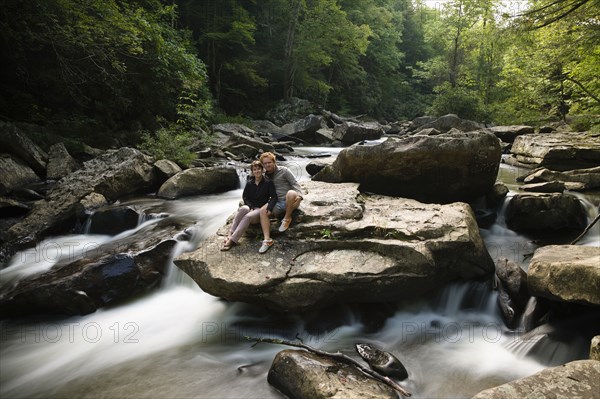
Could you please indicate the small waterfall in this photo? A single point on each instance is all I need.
(592, 237)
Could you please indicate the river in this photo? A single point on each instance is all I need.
(179, 342)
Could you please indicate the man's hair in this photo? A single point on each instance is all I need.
(267, 155)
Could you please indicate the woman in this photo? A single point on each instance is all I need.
(258, 192)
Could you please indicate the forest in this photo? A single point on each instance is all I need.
(135, 67)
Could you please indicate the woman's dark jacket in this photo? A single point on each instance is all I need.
(255, 196)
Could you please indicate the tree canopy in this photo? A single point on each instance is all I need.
(151, 64)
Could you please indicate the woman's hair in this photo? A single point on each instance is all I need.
(256, 163)
(267, 155)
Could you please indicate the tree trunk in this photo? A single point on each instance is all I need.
(290, 67)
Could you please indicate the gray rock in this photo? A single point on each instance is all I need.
(443, 168)
(290, 110)
(513, 292)
(384, 362)
(568, 273)
(546, 187)
(237, 139)
(165, 169)
(113, 220)
(595, 348)
(102, 275)
(90, 203)
(352, 132)
(304, 129)
(514, 280)
(344, 247)
(428, 132)
(496, 195)
(60, 162)
(508, 133)
(230, 129)
(315, 166)
(419, 122)
(578, 379)
(324, 136)
(243, 151)
(301, 374)
(450, 121)
(115, 174)
(196, 181)
(557, 151)
(12, 208)
(14, 141)
(14, 173)
(589, 178)
(542, 212)
(265, 127)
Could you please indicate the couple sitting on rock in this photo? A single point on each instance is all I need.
(275, 192)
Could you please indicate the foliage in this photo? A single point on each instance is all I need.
(117, 62)
(123, 65)
(553, 70)
(459, 101)
(169, 144)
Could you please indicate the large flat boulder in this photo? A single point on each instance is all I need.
(557, 151)
(346, 247)
(569, 273)
(578, 379)
(443, 168)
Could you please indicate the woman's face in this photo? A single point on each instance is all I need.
(257, 171)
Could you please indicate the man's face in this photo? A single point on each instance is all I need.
(269, 165)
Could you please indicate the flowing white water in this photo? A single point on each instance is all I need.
(181, 342)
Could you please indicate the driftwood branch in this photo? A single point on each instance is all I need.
(586, 229)
(337, 356)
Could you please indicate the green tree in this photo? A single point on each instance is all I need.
(117, 63)
(467, 58)
(225, 31)
(552, 65)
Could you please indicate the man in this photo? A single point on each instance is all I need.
(289, 196)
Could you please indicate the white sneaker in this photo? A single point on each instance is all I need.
(266, 244)
(285, 223)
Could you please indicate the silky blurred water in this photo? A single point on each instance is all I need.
(178, 341)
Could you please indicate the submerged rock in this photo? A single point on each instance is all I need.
(346, 247)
